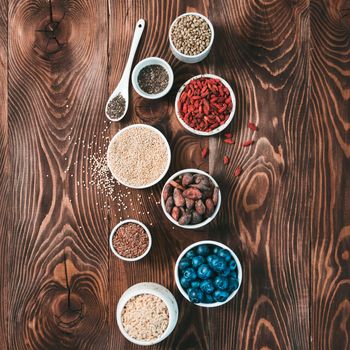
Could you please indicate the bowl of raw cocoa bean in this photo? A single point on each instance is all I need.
(130, 240)
(191, 198)
(205, 105)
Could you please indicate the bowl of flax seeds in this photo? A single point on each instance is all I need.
(130, 240)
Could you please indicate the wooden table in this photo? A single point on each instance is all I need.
(287, 216)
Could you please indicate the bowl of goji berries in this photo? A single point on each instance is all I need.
(205, 104)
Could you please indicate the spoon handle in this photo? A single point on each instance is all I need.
(140, 25)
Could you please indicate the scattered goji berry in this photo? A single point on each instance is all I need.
(204, 152)
(237, 172)
(228, 136)
(226, 160)
(252, 126)
(248, 143)
(229, 141)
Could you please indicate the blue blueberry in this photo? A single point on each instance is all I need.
(190, 254)
(207, 286)
(204, 272)
(202, 250)
(216, 250)
(220, 295)
(184, 263)
(225, 272)
(195, 284)
(225, 254)
(234, 275)
(218, 264)
(232, 264)
(208, 299)
(221, 282)
(195, 295)
(190, 274)
(232, 284)
(197, 261)
(185, 283)
(210, 258)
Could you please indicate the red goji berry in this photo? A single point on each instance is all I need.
(226, 160)
(238, 171)
(248, 143)
(228, 135)
(252, 126)
(205, 152)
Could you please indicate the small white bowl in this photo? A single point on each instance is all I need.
(188, 58)
(147, 62)
(203, 223)
(154, 289)
(166, 145)
(221, 245)
(219, 128)
(115, 230)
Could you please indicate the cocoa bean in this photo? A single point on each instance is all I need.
(209, 207)
(176, 185)
(185, 219)
(196, 218)
(201, 187)
(202, 179)
(169, 204)
(175, 213)
(215, 196)
(192, 193)
(189, 203)
(167, 191)
(187, 179)
(179, 200)
(200, 207)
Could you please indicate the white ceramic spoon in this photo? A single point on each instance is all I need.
(123, 86)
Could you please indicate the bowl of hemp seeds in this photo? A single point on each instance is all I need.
(191, 37)
(138, 156)
(130, 240)
(152, 78)
(147, 313)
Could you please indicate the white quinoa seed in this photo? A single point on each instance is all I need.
(137, 156)
(145, 317)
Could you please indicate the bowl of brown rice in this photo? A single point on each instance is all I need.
(147, 313)
(138, 156)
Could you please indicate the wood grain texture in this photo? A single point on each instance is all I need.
(330, 117)
(286, 216)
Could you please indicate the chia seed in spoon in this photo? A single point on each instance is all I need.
(116, 107)
(153, 79)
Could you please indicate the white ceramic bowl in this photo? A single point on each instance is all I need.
(147, 62)
(187, 58)
(114, 231)
(166, 145)
(221, 245)
(154, 289)
(203, 223)
(219, 128)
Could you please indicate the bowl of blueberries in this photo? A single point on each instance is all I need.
(208, 273)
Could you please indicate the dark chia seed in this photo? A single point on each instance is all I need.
(130, 240)
(116, 107)
(153, 79)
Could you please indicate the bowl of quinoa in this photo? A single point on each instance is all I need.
(138, 156)
(147, 313)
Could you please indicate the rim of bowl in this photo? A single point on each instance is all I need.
(115, 228)
(219, 128)
(209, 242)
(144, 63)
(145, 289)
(211, 27)
(166, 145)
(206, 221)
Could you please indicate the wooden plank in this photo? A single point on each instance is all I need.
(330, 117)
(58, 255)
(5, 213)
(265, 213)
